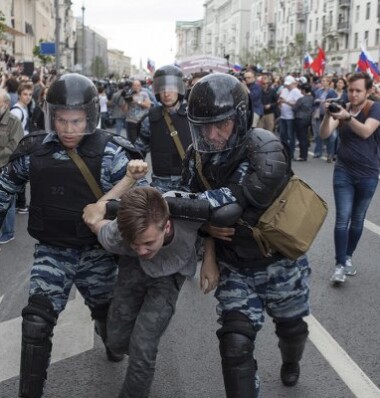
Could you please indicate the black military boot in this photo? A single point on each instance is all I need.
(291, 353)
(101, 330)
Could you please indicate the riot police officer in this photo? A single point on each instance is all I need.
(232, 163)
(165, 132)
(67, 252)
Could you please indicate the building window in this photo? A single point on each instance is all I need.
(357, 15)
(368, 11)
(366, 37)
(310, 25)
(316, 24)
(356, 40)
(377, 37)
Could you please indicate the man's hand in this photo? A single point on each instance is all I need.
(93, 214)
(209, 276)
(223, 233)
(137, 169)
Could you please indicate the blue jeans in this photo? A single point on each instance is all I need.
(287, 135)
(352, 196)
(7, 231)
(329, 142)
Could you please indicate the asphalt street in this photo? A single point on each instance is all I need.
(341, 359)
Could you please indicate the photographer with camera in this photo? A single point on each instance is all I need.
(119, 109)
(138, 107)
(356, 171)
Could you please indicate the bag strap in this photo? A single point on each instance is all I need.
(198, 166)
(174, 134)
(90, 179)
(263, 245)
(366, 108)
(19, 108)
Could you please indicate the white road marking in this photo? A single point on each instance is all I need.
(73, 334)
(1, 298)
(355, 379)
(372, 227)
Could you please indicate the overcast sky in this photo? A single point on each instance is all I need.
(141, 28)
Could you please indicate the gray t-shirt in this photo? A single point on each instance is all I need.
(177, 256)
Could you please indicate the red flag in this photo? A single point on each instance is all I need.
(319, 63)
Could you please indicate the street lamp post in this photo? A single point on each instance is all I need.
(83, 42)
(57, 36)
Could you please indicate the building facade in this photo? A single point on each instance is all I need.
(276, 33)
(91, 57)
(119, 65)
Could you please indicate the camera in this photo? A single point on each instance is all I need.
(336, 105)
(127, 94)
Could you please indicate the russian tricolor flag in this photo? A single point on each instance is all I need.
(367, 64)
(237, 68)
(307, 61)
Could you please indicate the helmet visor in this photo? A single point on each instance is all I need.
(168, 83)
(214, 137)
(75, 120)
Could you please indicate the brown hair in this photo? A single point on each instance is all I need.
(140, 208)
(368, 82)
(24, 86)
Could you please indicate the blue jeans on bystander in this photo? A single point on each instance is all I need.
(352, 196)
(7, 231)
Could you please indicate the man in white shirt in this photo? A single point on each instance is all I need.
(288, 97)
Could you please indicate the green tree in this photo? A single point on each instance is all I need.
(2, 24)
(98, 68)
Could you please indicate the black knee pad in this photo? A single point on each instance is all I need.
(236, 339)
(296, 329)
(39, 319)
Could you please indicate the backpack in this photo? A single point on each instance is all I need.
(22, 113)
(291, 223)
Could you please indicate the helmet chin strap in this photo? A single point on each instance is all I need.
(173, 105)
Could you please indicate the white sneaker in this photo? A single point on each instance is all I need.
(349, 269)
(339, 275)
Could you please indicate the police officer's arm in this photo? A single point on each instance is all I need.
(12, 180)
(95, 212)
(136, 169)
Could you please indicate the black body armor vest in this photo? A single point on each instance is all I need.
(242, 251)
(59, 192)
(166, 160)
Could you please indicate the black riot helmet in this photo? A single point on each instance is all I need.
(219, 113)
(169, 78)
(72, 92)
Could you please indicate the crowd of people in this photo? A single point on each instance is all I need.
(205, 191)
